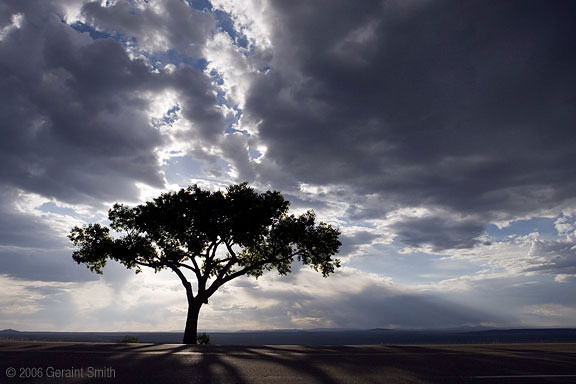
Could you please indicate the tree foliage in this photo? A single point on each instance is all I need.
(183, 231)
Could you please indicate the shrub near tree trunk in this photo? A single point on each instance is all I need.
(182, 231)
(203, 338)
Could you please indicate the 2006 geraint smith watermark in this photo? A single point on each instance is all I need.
(61, 373)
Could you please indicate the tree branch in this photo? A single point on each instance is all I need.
(193, 258)
(230, 250)
(150, 264)
(194, 268)
(221, 280)
(230, 261)
(210, 255)
(258, 265)
(184, 281)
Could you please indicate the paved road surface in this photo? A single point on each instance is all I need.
(45, 362)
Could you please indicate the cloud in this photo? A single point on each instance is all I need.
(554, 257)
(565, 228)
(355, 241)
(549, 315)
(159, 26)
(20, 229)
(76, 116)
(74, 125)
(144, 303)
(347, 299)
(439, 233)
(32, 243)
(37, 264)
(78, 130)
(444, 105)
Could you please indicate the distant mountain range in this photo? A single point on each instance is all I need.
(320, 336)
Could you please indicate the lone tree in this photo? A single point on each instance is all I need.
(212, 236)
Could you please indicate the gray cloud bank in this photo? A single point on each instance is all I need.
(75, 118)
(463, 108)
(468, 107)
(75, 111)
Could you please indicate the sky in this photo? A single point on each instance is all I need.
(438, 136)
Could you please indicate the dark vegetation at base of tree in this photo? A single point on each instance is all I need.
(128, 339)
(182, 231)
(203, 338)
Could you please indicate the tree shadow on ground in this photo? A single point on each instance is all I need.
(153, 363)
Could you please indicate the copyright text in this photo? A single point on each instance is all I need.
(60, 373)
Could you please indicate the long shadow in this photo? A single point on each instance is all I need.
(154, 363)
(301, 364)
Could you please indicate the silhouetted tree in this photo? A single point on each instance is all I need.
(213, 236)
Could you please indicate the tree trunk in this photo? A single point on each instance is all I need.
(191, 330)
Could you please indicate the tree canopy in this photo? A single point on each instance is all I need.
(212, 236)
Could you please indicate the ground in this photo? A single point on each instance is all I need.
(52, 362)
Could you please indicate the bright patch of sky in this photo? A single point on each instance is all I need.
(544, 226)
(51, 207)
(226, 24)
(15, 23)
(171, 56)
(93, 32)
(410, 268)
(201, 5)
(179, 169)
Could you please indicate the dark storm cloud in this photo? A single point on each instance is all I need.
(469, 107)
(75, 124)
(71, 126)
(75, 121)
(438, 232)
(351, 243)
(199, 103)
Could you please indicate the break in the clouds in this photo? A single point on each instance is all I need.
(438, 135)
